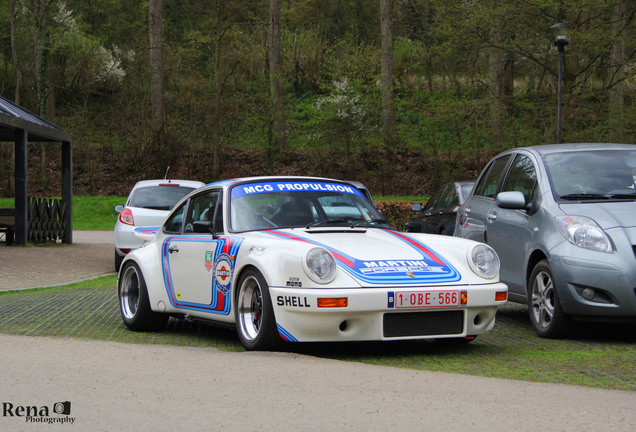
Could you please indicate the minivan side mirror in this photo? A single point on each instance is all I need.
(513, 200)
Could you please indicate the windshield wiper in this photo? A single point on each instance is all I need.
(329, 222)
(583, 196)
(151, 207)
(623, 196)
(370, 222)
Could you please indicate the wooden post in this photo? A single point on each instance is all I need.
(21, 188)
(67, 190)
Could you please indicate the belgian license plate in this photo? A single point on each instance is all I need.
(417, 299)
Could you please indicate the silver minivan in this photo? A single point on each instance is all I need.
(562, 219)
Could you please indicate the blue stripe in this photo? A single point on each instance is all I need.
(285, 334)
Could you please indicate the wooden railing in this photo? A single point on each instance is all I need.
(7, 224)
(46, 219)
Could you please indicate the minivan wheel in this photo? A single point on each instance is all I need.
(544, 307)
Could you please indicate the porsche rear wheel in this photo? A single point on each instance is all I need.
(134, 303)
(254, 313)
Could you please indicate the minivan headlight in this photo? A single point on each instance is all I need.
(483, 260)
(583, 232)
(319, 265)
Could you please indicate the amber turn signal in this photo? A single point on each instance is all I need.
(333, 302)
(501, 296)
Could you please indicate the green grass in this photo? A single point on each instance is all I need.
(602, 356)
(89, 213)
(97, 213)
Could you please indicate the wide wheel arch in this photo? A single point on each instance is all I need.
(268, 337)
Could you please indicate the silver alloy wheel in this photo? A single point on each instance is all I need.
(543, 300)
(250, 308)
(129, 292)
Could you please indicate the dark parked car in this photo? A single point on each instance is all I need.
(439, 214)
(561, 219)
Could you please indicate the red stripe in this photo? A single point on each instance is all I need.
(420, 247)
(226, 246)
(335, 254)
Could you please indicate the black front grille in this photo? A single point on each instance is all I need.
(404, 324)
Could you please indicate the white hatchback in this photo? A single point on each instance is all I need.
(148, 204)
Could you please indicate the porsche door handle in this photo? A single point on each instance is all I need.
(173, 249)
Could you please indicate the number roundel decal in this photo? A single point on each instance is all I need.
(223, 272)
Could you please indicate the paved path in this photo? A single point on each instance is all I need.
(115, 386)
(90, 255)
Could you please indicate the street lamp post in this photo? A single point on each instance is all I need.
(560, 31)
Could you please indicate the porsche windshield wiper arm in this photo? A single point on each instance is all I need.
(329, 222)
(370, 222)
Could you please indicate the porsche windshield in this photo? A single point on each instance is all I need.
(308, 204)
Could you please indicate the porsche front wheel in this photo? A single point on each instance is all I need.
(134, 303)
(254, 314)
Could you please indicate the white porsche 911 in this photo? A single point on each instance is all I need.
(305, 259)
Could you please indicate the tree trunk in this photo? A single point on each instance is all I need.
(216, 119)
(41, 53)
(617, 84)
(496, 83)
(18, 83)
(14, 51)
(388, 103)
(278, 138)
(157, 93)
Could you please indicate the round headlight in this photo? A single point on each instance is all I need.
(320, 265)
(484, 261)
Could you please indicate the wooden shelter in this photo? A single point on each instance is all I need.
(35, 219)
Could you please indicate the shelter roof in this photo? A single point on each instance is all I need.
(14, 117)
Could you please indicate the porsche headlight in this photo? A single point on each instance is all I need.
(583, 232)
(483, 260)
(319, 265)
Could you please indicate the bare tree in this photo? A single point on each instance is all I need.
(388, 102)
(617, 84)
(41, 52)
(14, 50)
(278, 139)
(157, 91)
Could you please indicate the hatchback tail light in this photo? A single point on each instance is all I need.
(126, 217)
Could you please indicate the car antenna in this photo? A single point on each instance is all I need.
(165, 177)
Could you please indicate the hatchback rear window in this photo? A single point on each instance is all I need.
(158, 197)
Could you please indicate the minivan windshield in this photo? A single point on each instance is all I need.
(592, 174)
(299, 203)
